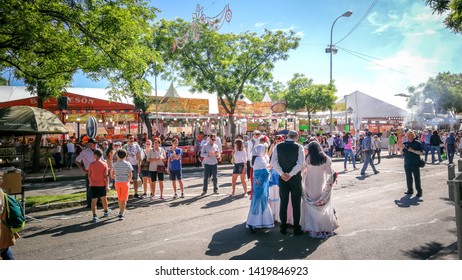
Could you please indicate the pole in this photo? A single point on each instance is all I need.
(346, 115)
(155, 90)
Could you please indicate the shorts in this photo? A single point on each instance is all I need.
(135, 172)
(175, 175)
(97, 192)
(238, 168)
(122, 190)
(156, 175)
(145, 173)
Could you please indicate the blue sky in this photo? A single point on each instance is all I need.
(400, 43)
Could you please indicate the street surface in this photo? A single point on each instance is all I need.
(377, 222)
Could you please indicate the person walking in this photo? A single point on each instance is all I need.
(134, 158)
(83, 161)
(156, 159)
(211, 153)
(435, 142)
(99, 183)
(174, 167)
(287, 159)
(450, 146)
(240, 166)
(427, 144)
(412, 151)
(367, 149)
(317, 210)
(70, 153)
(377, 148)
(122, 173)
(145, 175)
(260, 215)
(348, 151)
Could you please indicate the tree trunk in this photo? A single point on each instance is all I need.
(233, 127)
(309, 122)
(37, 142)
(147, 122)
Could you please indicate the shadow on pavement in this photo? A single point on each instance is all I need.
(266, 244)
(425, 251)
(408, 201)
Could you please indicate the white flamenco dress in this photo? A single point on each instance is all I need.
(317, 210)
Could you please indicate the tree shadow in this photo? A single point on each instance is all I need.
(269, 244)
(408, 201)
(424, 252)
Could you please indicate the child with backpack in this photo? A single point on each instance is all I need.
(7, 238)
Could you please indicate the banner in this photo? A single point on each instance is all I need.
(179, 105)
(278, 106)
(243, 108)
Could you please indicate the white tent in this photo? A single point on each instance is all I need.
(266, 98)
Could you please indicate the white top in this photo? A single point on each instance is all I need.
(132, 153)
(86, 156)
(262, 159)
(58, 149)
(240, 156)
(297, 168)
(70, 147)
(154, 154)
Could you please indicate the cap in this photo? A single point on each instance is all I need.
(91, 140)
(117, 144)
(292, 133)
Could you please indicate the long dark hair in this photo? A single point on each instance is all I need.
(239, 144)
(110, 148)
(316, 154)
(345, 138)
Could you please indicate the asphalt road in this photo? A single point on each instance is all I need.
(377, 222)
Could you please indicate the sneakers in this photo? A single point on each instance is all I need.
(215, 192)
(95, 219)
(144, 195)
(161, 197)
(182, 195)
(376, 172)
(106, 213)
(203, 193)
(136, 195)
(121, 217)
(153, 196)
(175, 196)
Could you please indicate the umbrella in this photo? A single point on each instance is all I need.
(284, 132)
(25, 120)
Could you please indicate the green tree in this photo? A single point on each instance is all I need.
(275, 90)
(3, 81)
(302, 94)
(226, 63)
(453, 11)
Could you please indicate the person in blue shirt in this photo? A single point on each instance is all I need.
(450, 145)
(367, 149)
(174, 167)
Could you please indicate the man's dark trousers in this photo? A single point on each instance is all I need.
(293, 187)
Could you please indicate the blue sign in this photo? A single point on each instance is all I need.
(91, 127)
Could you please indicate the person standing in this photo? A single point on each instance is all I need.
(348, 151)
(391, 144)
(174, 156)
(145, 167)
(377, 148)
(240, 166)
(210, 152)
(83, 161)
(260, 215)
(367, 149)
(287, 160)
(99, 183)
(246, 147)
(70, 153)
(57, 156)
(450, 146)
(156, 158)
(198, 146)
(330, 141)
(7, 238)
(134, 158)
(435, 142)
(412, 151)
(318, 214)
(122, 173)
(426, 143)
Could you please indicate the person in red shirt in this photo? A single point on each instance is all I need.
(98, 177)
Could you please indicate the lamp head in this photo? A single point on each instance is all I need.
(347, 14)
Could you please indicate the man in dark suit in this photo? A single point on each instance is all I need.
(287, 160)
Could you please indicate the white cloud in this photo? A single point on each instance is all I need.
(260, 24)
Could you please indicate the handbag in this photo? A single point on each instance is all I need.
(421, 163)
(160, 169)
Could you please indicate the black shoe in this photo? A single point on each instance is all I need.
(203, 193)
(362, 173)
(252, 229)
(376, 172)
(419, 195)
(298, 232)
(409, 193)
(283, 230)
(215, 192)
(136, 196)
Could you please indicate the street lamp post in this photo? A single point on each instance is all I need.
(331, 50)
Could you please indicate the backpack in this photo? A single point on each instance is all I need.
(338, 142)
(15, 219)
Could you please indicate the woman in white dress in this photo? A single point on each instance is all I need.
(317, 210)
(260, 215)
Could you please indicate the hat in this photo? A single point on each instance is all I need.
(376, 136)
(245, 137)
(292, 134)
(257, 132)
(91, 140)
(117, 144)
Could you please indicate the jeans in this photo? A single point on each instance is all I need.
(7, 254)
(367, 161)
(433, 149)
(210, 170)
(69, 159)
(427, 148)
(376, 152)
(451, 152)
(413, 171)
(349, 153)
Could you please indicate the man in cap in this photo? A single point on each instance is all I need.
(287, 160)
(83, 161)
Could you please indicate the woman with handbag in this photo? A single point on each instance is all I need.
(156, 159)
(412, 151)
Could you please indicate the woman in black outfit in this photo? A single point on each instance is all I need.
(435, 142)
(412, 151)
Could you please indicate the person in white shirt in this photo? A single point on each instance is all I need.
(70, 153)
(330, 141)
(240, 165)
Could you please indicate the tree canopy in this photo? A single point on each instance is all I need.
(453, 9)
